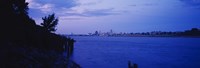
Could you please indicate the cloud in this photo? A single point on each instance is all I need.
(150, 4)
(69, 18)
(92, 13)
(145, 4)
(194, 3)
(58, 3)
(89, 2)
(50, 5)
(134, 5)
(71, 9)
(46, 8)
(63, 7)
(100, 12)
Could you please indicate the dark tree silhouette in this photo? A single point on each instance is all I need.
(20, 6)
(15, 23)
(192, 32)
(49, 23)
(25, 44)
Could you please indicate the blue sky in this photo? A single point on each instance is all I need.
(85, 16)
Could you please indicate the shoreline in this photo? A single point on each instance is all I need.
(138, 36)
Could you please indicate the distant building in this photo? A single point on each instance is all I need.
(96, 33)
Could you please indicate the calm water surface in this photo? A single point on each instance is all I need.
(147, 52)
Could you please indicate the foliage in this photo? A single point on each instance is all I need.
(49, 23)
(20, 6)
(27, 45)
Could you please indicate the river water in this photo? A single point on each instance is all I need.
(147, 52)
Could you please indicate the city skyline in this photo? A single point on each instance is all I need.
(112, 32)
(82, 17)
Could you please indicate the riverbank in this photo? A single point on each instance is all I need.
(136, 36)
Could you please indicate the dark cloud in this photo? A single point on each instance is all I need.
(150, 4)
(73, 14)
(100, 12)
(133, 5)
(191, 2)
(51, 6)
(70, 18)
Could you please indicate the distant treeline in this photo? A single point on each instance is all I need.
(194, 32)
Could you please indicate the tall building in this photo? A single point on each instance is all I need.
(96, 33)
